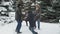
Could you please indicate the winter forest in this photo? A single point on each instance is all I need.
(49, 16)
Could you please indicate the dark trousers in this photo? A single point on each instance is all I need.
(26, 23)
(18, 25)
(32, 30)
(32, 26)
(38, 22)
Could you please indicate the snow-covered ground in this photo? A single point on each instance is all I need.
(9, 28)
(45, 28)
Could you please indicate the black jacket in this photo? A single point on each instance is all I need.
(18, 14)
(19, 6)
(31, 19)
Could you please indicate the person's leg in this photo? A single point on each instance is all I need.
(35, 24)
(38, 22)
(32, 30)
(26, 23)
(18, 26)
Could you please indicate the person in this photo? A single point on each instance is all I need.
(38, 11)
(31, 16)
(26, 17)
(32, 22)
(18, 15)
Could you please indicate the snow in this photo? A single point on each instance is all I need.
(2, 8)
(7, 3)
(45, 28)
(9, 28)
